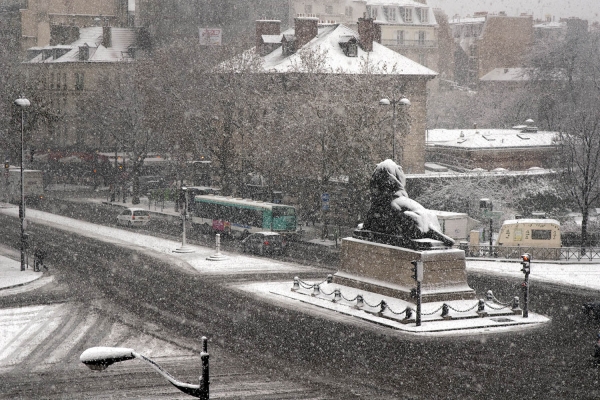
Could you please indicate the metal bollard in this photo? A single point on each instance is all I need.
(383, 306)
(445, 310)
(481, 308)
(316, 290)
(515, 306)
(329, 278)
(337, 295)
(204, 393)
(489, 295)
(360, 302)
(296, 284)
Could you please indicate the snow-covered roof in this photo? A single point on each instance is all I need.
(466, 20)
(272, 38)
(530, 221)
(380, 61)
(489, 138)
(507, 75)
(550, 25)
(121, 40)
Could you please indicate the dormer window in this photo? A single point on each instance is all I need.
(389, 13)
(349, 46)
(372, 11)
(407, 14)
(424, 15)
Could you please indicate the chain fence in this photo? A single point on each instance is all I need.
(490, 301)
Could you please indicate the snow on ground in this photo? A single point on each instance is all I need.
(234, 264)
(585, 274)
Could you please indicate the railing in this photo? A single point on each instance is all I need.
(409, 43)
(537, 253)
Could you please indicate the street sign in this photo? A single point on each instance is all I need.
(210, 36)
(325, 197)
(325, 206)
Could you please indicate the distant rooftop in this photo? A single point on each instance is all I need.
(517, 137)
(380, 61)
(121, 41)
(507, 75)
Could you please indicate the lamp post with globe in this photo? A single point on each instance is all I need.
(402, 102)
(22, 103)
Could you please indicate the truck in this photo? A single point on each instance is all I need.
(33, 185)
(456, 225)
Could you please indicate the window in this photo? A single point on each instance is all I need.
(372, 11)
(329, 10)
(423, 60)
(348, 12)
(308, 9)
(421, 37)
(407, 14)
(64, 81)
(539, 234)
(79, 80)
(424, 15)
(399, 37)
(389, 13)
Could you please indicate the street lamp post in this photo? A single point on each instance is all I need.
(23, 103)
(99, 358)
(401, 102)
(184, 247)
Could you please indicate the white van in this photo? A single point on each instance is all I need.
(530, 233)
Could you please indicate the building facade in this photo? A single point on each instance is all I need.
(484, 42)
(63, 74)
(343, 56)
(39, 16)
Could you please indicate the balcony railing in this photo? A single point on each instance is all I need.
(410, 43)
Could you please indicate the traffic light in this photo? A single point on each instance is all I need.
(526, 263)
(417, 270)
(6, 165)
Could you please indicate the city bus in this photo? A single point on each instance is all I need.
(240, 217)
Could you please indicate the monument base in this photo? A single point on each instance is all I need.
(387, 270)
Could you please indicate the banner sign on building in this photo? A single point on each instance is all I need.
(210, 36)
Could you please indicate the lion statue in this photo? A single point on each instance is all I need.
(396, 219)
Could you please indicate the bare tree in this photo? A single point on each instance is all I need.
(567, 78)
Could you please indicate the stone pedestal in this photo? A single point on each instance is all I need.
(387, 270)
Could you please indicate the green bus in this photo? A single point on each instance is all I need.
(240, 217)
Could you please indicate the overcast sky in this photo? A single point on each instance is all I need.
(585, 9)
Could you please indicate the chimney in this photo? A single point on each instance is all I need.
(305, 29)
(266, 27)
(368, 31)
(106, 36)
(84, 52)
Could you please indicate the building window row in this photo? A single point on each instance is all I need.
(420, 38)
(407, 15)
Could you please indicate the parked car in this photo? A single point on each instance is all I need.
(133, 217)
(592, 309)
(264, 243)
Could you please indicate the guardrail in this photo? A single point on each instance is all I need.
(537, 253)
